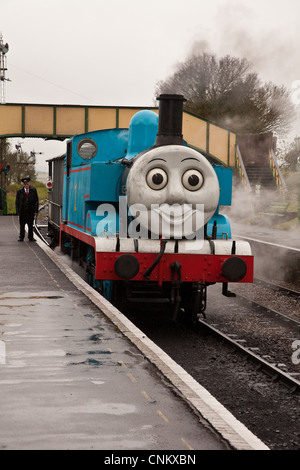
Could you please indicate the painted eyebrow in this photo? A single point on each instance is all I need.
(154, 159)
(190, 158)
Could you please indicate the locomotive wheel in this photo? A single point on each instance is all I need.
(113, 291)
(90, 269)
(118, 295)
(194, 301)
(191, 314)
(106, 289)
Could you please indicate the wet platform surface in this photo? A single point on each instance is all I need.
(68, 378)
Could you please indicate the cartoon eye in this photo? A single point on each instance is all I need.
(192, 180)
(157, 178)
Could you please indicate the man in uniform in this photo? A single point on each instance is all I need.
(27, 206)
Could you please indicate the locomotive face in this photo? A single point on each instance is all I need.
(173, 189)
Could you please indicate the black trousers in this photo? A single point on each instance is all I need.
(26, 218)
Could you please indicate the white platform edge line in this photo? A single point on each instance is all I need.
(244, 237)
(232, 430)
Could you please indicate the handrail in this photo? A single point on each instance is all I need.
(243, 169)
(54, 204)
(274, 163)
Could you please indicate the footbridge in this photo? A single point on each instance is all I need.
(60, 122)
(63, 121)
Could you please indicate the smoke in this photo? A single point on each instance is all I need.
(266, 34)
(199, 47)
(249, 208)
(248, 32)
(253, 216)
(266, 207)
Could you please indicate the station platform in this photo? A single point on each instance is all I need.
(75, 374)
(284, 238)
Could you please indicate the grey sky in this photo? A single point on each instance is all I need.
(113, 53)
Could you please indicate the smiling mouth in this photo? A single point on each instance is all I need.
(175, 216)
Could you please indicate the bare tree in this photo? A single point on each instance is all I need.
(21, 165)
(289, 154)
(225, 91)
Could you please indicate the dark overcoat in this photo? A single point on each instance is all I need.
(33, 201)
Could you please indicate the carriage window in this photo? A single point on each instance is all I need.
(87, 149)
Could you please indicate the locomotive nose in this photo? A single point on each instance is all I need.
(234, 269)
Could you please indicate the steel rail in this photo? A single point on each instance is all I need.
(274, 372)
(277, 287)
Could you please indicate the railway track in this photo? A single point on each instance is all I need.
(275, 286)
(270, 369)
(265, 324)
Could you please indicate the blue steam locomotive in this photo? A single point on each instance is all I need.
(140, 210)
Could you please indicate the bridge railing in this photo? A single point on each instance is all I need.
(242, 170)
(277, 175)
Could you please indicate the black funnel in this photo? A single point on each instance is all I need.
(170, 120)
